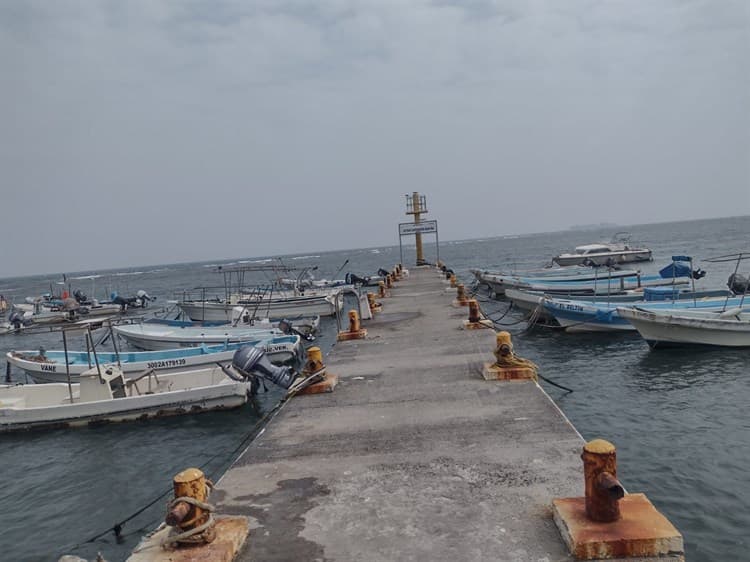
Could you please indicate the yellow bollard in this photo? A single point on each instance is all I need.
(189, 513)
(381, 290)
(355, 331)
(315, 366)
(375, 306)
(461, 298)
(314, 363)
(475, 321)
(507, 365)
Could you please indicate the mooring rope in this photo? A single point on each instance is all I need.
(248, 438)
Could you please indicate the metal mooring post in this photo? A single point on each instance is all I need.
(603, 490)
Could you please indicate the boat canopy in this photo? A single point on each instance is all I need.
(676, 269)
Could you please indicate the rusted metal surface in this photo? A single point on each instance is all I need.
(177, 514)
(186, 515)
(355, 330)
(314, 361)
(603, 490)
(473, 311)
(231, 533)
(641, 531)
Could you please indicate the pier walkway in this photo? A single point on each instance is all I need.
(414, 456)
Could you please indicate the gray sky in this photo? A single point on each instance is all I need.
(145, 132)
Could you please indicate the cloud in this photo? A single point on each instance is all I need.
(186, 117)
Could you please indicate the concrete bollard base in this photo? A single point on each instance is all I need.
(231, 533)
(459, 303)
(358, 335)
(492, 372)
(481, 325)
(328, 384)
(641, 532)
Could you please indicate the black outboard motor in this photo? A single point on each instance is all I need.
(382, 272)
(16, 320)
(252, 362)
(738, 284)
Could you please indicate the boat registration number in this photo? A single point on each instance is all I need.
(166, 363)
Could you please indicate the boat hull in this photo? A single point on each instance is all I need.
(222, 312)
(279, 350)
(662, 330)
(14, 417)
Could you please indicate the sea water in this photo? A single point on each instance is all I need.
(677, 416)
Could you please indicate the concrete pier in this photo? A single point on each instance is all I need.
(414, 456)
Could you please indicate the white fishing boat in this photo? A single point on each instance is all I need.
(617, 251)
(153, 337)
(727, 328)
(45, 366)
(106, 396)
(583, 280)
(277, 307)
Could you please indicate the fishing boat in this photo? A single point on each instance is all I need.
(104, 395)
(581, 316)
(531, 301)
(500, 283)
(723, 328)
(154, 337)
(323, 303)
(50, 366)
(616, 251)
(305, 326)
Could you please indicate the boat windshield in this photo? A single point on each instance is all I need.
(592, 249)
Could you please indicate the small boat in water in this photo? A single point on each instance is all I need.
(104, 396)
(153, 337)
(530, 301)
(723, 328)
(617, 251)
(50, 366)
(582, 316)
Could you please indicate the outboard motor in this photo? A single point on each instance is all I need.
(382, 272)
(286, 327)
(738, 284)
(252, 362)
(16, 320)
(143, 298)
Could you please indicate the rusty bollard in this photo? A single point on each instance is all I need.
(314, 362)
(453, 280)
(189, 513)
(355, 331)
(381, 290)
(603, 490)
(461, 298)
(375, 306)
(388, 281)
(473, 311)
